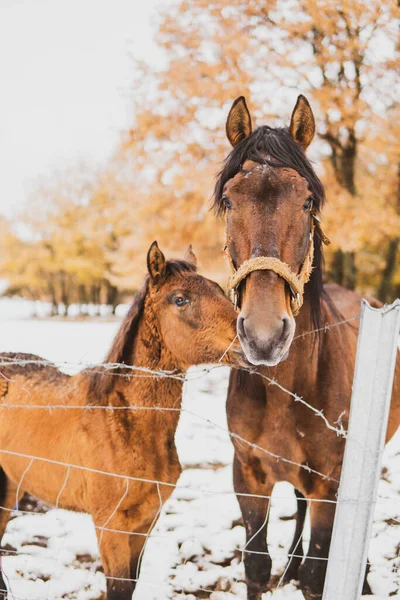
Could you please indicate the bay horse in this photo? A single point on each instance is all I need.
(177, 319)
(271, 199)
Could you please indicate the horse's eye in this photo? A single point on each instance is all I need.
(180, 301)
(308, 204)
(227, 202)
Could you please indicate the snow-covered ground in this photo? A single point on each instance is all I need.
(196, 543)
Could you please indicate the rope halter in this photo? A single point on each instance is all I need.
(295, 282)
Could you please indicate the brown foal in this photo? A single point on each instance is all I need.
(178, 319)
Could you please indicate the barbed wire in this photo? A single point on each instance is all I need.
(111, 368)
(327, 327)
(233, 435)
(155, 481)
(88, 407)
(243, 550)
(23, 362)
(340, 431)
(134, 371)
(151, 481)
(157, 536)
(151, 373)
(170, 585)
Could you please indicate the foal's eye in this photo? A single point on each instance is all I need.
(180, 301)
(227, 202)
(308, 204)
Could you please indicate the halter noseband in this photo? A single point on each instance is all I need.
(268, 263)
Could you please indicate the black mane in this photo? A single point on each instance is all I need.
(121, 351)
(276, 148)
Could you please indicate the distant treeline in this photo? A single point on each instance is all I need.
(84, 235)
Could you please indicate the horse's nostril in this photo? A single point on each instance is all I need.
(286, 326)
(240, 326)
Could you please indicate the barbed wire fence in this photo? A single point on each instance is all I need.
(131, 371)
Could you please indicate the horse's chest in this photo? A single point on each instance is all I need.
(291, 442)
(283, 435)
(156, 459)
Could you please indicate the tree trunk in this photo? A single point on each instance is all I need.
(343, 159)
(346, 174)
(344, 270)
(82, 299)
(112, 295)
(64, 291)
(386, 291)
(53, 298)
(95, 298)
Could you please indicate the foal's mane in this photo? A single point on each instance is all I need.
(276, 148)
(121, 351)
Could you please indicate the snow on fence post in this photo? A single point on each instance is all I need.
(372, 389)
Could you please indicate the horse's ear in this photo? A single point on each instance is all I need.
(190, 256)
(156, 264)
(302, 123)
(238, 123)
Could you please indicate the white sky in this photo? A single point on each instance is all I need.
(65, 77)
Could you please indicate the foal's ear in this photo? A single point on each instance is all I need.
(156, 264)
(190, 256)
(302, 123)
(238, 123)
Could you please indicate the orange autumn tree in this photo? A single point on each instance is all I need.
(65, 247)
(343, 57)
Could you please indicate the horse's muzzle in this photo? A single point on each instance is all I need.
(265, 346)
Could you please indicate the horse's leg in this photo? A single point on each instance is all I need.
(8, 498)
(254, 511)
(366, 591)
(136, 543)
(115, 556)
(292, 570)
(312, 571)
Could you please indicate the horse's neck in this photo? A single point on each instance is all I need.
(304, 323)
(150, 385)
(147, 402)
(313, 353)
